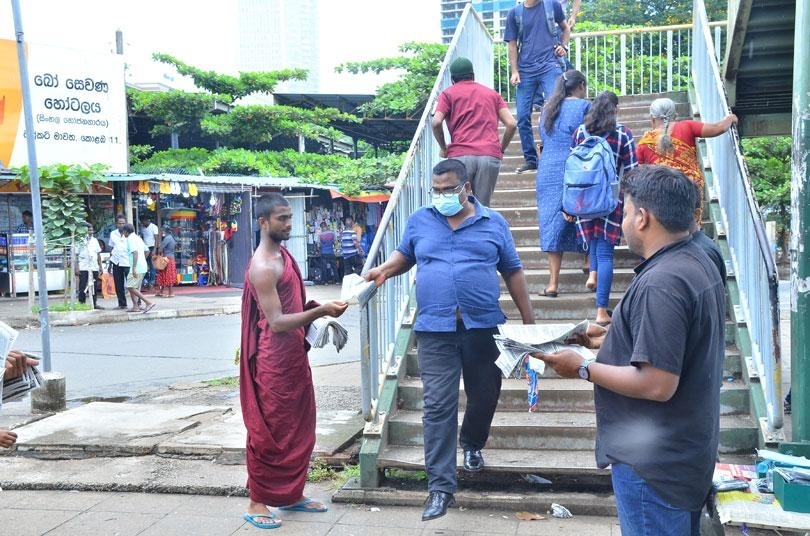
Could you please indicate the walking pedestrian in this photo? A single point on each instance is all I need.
(120, 260)
(472, 113)
(89, 263)
(459, 246)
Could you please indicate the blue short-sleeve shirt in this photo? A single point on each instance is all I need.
(457, 269)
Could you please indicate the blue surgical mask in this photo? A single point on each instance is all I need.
(447, 206)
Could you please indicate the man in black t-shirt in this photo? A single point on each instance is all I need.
(658, 372)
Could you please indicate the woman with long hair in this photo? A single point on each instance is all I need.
(562, 114)
(672, 143)
(602, 235)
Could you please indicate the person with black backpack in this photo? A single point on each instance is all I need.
(537, 36)
(602, 234)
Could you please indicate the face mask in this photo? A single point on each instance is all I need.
(447, 206)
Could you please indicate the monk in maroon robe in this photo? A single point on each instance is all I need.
(275, 384)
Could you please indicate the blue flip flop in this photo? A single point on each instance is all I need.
(301, 506)
(251, 518)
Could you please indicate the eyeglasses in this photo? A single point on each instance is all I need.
(446, 192)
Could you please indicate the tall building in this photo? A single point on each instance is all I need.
(492, 11)
(280, 34)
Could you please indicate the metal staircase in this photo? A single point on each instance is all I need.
(555, 443)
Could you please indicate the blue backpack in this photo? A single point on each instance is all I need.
(590, 186)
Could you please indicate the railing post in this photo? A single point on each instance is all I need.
(670, 60)
(799, 229)
(623, 48)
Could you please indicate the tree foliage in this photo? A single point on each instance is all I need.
(646, 12)
(769, 162)
(63, 211)
(234, 87)
(173, 111)
(407, 96)
(249, 126)
(349, 175)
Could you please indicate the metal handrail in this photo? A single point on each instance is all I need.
(384, 311)
(751, 255)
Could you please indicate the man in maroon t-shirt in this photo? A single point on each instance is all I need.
(472, 112)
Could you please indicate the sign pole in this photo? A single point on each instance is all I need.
(36, 200)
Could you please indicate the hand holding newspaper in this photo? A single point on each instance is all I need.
(517, 340)
(355, 289)
(14, 388)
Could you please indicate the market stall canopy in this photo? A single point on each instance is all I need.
(218, 183)
(375, 196)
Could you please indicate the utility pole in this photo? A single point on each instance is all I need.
(799, 231)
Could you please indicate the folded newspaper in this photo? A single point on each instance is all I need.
(14, 388)
(355, 289)
(318, 334)
(517, 340)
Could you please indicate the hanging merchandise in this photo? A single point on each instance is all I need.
(165, 187)
(192, 189)
(236, 205)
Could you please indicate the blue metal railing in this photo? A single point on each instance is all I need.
(387, 309)
(751, 256)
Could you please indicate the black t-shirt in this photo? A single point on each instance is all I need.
(711, 249)
(673, 318)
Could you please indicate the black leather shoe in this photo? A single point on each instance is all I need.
(473, 460)
(436, 505)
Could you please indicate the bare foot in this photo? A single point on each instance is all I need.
(259, 508)
(7, 438)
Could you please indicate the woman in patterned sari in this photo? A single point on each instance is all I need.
(672, 143)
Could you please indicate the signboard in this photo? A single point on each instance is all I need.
(78, 102)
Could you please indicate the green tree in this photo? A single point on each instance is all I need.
(406, 97)
(646, 12)
(173, 111)
(769, 162)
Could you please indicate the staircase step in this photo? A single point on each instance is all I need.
(573, 280)
(572, 307)
(559, 431)
(555, 395)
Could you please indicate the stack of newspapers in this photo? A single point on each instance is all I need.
(516, 340)
(14, 388)
(318, 334)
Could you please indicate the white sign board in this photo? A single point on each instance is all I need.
(78, 101)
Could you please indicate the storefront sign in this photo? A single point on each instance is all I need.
(78, 103)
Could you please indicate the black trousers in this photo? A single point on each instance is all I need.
(120, 277)
(84, 276)
(443, 359)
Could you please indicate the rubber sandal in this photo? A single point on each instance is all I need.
(604, 323)
(301, 506)
(251, 518)
(149, 308)
(549, 294)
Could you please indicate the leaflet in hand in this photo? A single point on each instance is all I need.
(318, 334)
(16, 388)
(517, 340)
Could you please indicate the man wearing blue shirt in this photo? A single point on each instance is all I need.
(459, 246)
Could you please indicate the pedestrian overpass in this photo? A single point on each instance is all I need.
(744, 66)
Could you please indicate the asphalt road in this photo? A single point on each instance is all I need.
(126, 359)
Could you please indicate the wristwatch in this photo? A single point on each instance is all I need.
(583, 369)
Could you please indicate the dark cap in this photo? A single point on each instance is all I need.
(460, 67)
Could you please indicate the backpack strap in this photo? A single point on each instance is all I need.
(548, 5)
(519, 21)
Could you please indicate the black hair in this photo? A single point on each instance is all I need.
(128, 228)
(602, 115)
(451, 165)
(27, 213)
(665, 192)
(566, 85)
(267, 204)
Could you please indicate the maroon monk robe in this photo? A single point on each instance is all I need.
(277, 395)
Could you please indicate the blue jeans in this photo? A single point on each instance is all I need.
(601, 252)
(643, 513)
(525, 96)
